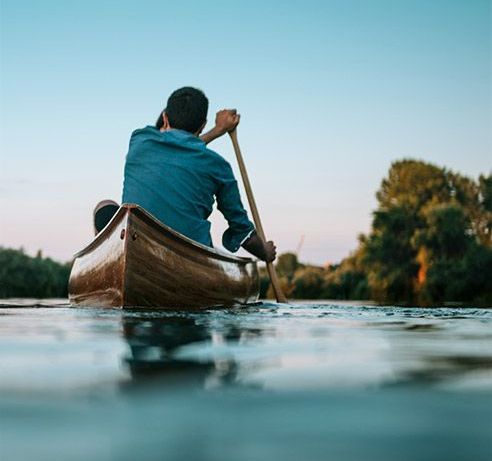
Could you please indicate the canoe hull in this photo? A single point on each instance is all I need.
(138, 262)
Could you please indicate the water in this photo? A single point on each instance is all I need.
(299, 382)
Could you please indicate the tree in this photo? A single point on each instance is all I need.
(430, 239)
(348, 279)
(23, 276)
(287, 265)
(308, 283)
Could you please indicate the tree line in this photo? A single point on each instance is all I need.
(23, 276)
(430, 242)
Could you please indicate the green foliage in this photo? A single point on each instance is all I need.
(346, 280)
(411, 184)
(308, 283)
(430, 242)
(24, 276)
(287, 265)
(430, 237)
(457, 262)
(446, 232)
(388, 256)
(485, 190)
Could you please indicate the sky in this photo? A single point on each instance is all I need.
(330, 93)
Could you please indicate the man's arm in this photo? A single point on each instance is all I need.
(226, 120)
(229, 201)
(241, 231)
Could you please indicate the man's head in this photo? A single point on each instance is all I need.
(186, 110)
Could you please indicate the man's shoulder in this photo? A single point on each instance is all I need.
(216, 158)
(144, 131)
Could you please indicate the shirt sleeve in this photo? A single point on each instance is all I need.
(230, 205)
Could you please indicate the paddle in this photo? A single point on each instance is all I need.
(256, 217)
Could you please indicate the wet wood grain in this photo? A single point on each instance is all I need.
(136, 261)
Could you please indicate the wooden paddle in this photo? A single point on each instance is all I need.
(256, 217)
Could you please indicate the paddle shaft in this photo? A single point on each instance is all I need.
(256, 216)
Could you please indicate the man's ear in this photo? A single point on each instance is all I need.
(165, 119)
(201, 128)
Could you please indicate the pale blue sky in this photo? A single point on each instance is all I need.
(330, 92)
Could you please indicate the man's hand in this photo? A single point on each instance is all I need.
(226, 120)
(270, 251)
(266, 251)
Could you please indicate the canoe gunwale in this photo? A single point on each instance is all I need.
(126, 208)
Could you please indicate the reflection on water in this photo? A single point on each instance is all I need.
(153, 344)
(312, 347)
(265, 382)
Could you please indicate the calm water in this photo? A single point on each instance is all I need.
(270, 382)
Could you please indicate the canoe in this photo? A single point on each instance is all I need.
(137, 261)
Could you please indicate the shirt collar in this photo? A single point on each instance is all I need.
(180, 137)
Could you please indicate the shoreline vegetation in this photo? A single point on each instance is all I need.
(23, 276)
(430, 243)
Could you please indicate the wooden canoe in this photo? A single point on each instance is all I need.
(136, 261)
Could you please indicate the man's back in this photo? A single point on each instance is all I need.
(175, 177)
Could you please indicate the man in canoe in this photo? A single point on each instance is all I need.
(170, 172)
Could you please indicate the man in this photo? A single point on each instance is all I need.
(171, 173)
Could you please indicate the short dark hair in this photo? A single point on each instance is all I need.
(186, 109)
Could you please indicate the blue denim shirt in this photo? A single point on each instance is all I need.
(173, 175)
